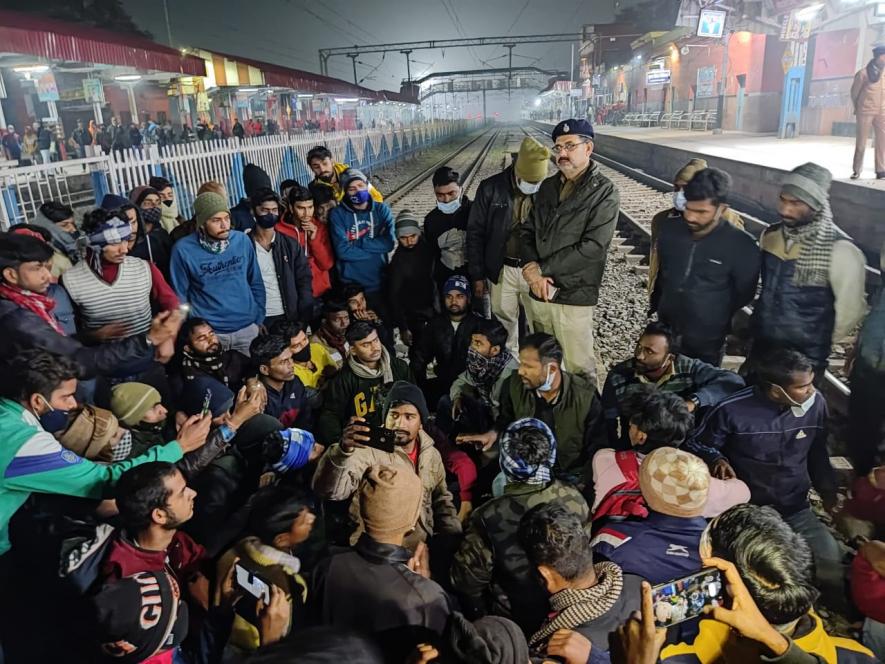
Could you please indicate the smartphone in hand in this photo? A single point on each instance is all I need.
(382, 438)
(685, 598)
(252, 583)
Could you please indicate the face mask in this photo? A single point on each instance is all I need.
(169, 203)
(152, 216)
(361, 197)
(449, 208)
(527, 187)
(679, 200)
(548, 382)
(55, 420)
(267, 220)
(476, 362)
(122, 449)
(146, 427)
(798, 409)
(302, 355)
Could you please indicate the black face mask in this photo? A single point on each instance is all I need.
(267, 220)
(168, 203)
(302, 355)
(152, 216)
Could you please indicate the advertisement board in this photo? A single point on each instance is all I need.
(706, 82)
(712, 23)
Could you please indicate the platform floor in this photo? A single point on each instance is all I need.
(834, 152)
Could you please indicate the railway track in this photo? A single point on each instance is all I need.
(642, 196)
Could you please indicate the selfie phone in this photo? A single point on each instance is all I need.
(382, 438)
(685, 598)
(252, 583)
(207, 400)
(184, 309)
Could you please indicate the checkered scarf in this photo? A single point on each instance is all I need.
(578, 607)
(816, 240)
(518, 470)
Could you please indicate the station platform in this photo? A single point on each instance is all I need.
(757, 164)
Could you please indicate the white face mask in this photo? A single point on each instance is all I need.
(548, 381)
(528, 188)
(449, 208)
(800, 409)
(679, 200)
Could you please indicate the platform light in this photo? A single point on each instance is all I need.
(247, 90)
(346, 100)
(31, 69)
(128, 77)
(809, 13)
(537, 101)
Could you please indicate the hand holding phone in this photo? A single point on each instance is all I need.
(685, 598)
(207, 401)
(252, 583)
(382, 438)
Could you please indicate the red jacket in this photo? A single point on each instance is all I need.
(125, 558)
(319, 252)
(868, 589)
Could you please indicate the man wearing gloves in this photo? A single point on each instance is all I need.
(503, 203)
(564, 244)
(362, 236)
(215, 270)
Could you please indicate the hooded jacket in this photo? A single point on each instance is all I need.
(570, 239)
(339, 473)
(293, 276)
(319, 252)
(337, 190)
(410, 292)
(362, 239)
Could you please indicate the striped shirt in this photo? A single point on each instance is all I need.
(125, 300)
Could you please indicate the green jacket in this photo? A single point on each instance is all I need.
(347, 395)
(491, 572)
(570, 240)
(578, 422)
(33, 460)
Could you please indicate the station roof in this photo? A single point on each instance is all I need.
(72, 42)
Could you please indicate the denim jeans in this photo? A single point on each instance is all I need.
(238, 339)
(829, 567)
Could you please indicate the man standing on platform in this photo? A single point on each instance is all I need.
(564, 244)
(868, 97)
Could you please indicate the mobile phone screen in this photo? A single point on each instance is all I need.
(256, 587)
(207, 401)
(685, 598)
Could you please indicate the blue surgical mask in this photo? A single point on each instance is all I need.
(679, 200)
(548, 381)
(360, 197)
(449, 208)
(267, 220)
(55, 420)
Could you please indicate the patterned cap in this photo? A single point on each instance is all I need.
(674, 482)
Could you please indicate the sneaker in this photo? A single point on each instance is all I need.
(880, 176)
(855, 175)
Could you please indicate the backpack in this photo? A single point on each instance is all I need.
(626, 498)
(82, 556)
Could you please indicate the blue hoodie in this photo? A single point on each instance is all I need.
(362, 240)
(226, 289)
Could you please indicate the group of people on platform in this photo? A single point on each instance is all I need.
(303, 428)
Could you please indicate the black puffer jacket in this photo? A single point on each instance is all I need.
(24, 330)
(570, 239)
(449, 347)
(491, 215)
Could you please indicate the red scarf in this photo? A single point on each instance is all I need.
(42, 305)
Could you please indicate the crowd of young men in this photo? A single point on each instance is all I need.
(286, 431)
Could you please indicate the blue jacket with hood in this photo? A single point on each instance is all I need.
(363, 240)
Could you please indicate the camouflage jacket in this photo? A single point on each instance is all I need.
(491, 572)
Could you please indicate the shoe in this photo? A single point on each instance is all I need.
(855, 175)
(880, 176)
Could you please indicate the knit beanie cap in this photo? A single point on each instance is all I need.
(489, 640)
(352, 174)
(296, 449)
(193, 394)
(810, 183)
(531, 471)
(139, 616)
(692, 168)
(402, 391)
(407, 223)
(674, 482)
(878, 49)
(131, 401)
(113, 202)
(137, 195)
(532, 160)
(208, 204)
(159, 183)
(390, 500)
(457, 283)
(90, 433)
(255, 179)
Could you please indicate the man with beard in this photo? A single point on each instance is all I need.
(327, 174)
(341, 469)
(410, 290)
(657, 361)
(446, 226)
(564, 244)
(356, 390)
(334, 322)
(201, 355)
(301, 223)
(445, 340)
(567, 403)
(708, 269)
(868, 99)
(216, 271)
(813, 276)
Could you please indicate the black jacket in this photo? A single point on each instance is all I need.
(440, 341)
(370, 589)
(447, 233)
(570, 239)
(44, 139)
(241, 218)
(702, 283)
(293, 276)
(24, 330)
(410, 284)
(488, 225)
